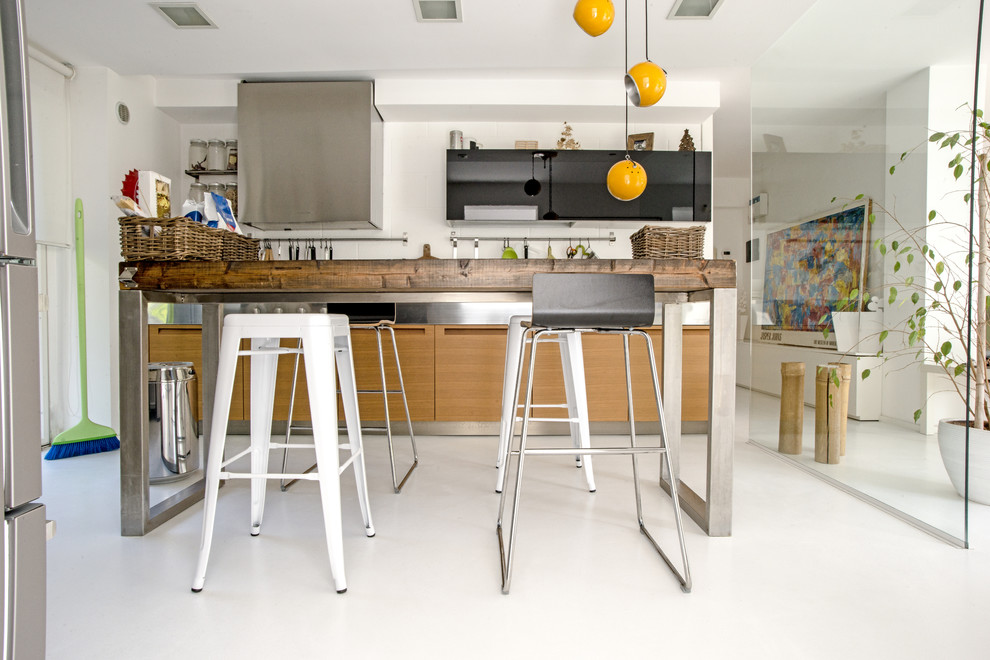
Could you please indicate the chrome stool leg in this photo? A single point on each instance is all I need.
(384, 391)
(397, 486)
(283, 484)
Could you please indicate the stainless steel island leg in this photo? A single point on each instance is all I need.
(137, 515)
(713, 512)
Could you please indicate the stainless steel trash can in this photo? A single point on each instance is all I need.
(173, 443)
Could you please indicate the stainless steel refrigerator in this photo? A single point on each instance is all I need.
(24, 528)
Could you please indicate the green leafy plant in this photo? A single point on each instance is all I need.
(934, 272)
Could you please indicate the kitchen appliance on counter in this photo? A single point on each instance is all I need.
(24, 525)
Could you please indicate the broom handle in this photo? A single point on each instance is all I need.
(81, 305)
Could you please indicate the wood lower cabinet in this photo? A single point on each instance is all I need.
(453, 373)
(184, 343)
(471, 361)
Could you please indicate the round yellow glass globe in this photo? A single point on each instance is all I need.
(626, 180)
(645, 84)
(594, 16)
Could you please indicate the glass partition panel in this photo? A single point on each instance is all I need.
(851, 317)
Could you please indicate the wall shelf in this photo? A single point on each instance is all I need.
(198, 173)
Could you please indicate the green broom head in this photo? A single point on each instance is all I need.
(86, 437)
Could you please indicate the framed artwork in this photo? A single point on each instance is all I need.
(640, 142)
(813, 265)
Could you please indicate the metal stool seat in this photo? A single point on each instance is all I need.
(326, 342)
(604, 303)
(378, 326)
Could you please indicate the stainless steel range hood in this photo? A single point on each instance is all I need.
(310, 155)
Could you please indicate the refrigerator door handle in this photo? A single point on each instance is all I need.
(18, 215)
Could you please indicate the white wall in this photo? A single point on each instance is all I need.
(103, 150)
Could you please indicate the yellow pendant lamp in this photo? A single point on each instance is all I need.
(626, 180)
(645, 82)
(594, 16)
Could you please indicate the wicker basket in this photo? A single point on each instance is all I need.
(668, 242)
(239, 248)
(181, 239)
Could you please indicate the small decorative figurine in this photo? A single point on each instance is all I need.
(687, 142)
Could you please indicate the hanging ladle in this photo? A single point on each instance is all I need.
(532, 187)
(550, 214)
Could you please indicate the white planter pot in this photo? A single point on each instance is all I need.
(952, 446)
(857, 332)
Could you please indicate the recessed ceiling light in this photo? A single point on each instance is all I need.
(184, 15)
(694, 9)
(433, 11)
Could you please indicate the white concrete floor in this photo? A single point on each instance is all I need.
(809, 571)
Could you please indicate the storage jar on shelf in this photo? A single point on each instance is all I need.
(216, 155)
(197, 155)
(231, 194)
(231, 155)
(196, 191)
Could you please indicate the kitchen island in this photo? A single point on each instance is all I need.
(301, 284)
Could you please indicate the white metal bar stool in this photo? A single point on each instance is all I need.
(572, 365)
(378, 327)
(325, 341)
(606, 303)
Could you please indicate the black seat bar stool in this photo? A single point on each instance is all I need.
(602, 303)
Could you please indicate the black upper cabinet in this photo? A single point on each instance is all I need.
(488, 185)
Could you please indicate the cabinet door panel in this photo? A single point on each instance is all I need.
(694, 384)
(469, 365)
(415, 344)
(184, 343)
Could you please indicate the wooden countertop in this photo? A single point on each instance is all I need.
(419, 275)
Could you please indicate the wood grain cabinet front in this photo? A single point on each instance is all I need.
(184, 343)
(470, 361)
(453, 373)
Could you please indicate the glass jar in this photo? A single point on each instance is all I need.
(216, 155)
(231, 195)
(231, 155)
(218, 188)
(196, 191)
(197, 155)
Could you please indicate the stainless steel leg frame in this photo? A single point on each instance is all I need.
(137, 515)
(378, 328)
(668, 461)
(713, 512)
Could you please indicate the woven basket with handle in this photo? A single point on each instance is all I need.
(652, 242)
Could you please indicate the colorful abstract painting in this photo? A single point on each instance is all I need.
(812, 266)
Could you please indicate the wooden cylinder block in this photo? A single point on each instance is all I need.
(791, 408)
(845, 376)
(827, 414)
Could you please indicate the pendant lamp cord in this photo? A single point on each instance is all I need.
(646, 18)
(625, 95)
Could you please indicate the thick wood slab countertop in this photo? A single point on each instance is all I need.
(419, 275)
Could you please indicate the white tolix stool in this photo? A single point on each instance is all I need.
(572, 367)
(326, 341)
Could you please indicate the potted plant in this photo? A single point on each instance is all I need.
(936, 276)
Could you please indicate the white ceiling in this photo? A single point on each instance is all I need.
(261, 39)
(809, 55)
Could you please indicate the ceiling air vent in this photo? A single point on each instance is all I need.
(184, 15)
(696, 9)
(438, 11)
